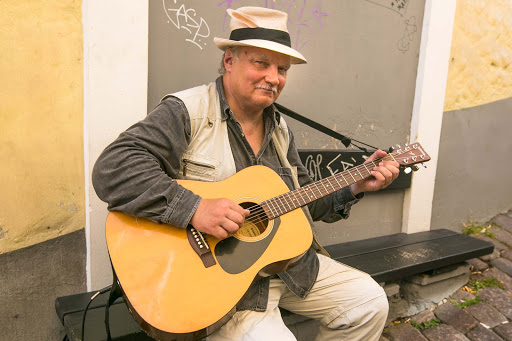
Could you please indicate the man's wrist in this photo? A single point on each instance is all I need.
(354, 190)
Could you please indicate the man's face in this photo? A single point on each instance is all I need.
(256, 76)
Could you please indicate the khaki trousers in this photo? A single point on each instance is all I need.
(349, 304)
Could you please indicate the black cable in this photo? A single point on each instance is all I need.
(102, 291)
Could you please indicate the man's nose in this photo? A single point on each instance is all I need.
(272, 75)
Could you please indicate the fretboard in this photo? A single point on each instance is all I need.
(289, 201)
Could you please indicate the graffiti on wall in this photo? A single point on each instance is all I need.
(408, 36)
(398, 6)
(186, 19)
(322, 164)
(410, 29)
(305, 18)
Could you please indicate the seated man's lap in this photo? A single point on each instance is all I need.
(342, 297)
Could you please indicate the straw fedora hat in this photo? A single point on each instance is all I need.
(260, 27)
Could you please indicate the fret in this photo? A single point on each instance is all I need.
(273, 209)
(268, 209)
(366, 169)
(306, 189)
(336, 179)
(297, 200)
(300, 191)
(344, 179)
(320, 192)
(325, 188)
(285, 198)
(328, 180)
(349, 172)
(361, 175)
(281, 206)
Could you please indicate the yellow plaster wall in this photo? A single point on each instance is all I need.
(41, 101)
(481, 55)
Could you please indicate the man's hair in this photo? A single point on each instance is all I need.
(234, 50)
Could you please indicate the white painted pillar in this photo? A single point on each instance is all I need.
(428, 109)
(115, 96)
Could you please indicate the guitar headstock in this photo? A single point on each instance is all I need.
(409, 154)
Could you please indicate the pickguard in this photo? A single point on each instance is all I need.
(236, 256)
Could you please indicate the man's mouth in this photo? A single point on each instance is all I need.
(267, 88)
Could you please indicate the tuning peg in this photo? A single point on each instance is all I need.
(415, 168)
(424, 166)
(390, 150)
(398, 146)
(407, 170)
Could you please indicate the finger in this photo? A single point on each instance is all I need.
(377, 154)
(393, 168)
(230, 226)
(220, 233)
(240, 210)
(235, 217)
(378, 176)
(382, 169)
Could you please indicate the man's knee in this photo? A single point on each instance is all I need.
(370, 314)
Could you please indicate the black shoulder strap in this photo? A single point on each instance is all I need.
(345, 140)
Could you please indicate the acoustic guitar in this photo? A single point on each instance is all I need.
(180, 284)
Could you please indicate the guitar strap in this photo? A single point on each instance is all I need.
(344, 139)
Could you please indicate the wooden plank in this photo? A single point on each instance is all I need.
(324, 163)
(403, 261)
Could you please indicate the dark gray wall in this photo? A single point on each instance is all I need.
(474, 170)
(30, 281)
(359, 80)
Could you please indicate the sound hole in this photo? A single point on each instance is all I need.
(255, 223)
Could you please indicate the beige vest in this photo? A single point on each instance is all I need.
(208, 156)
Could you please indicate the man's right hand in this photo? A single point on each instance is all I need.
(218, 217)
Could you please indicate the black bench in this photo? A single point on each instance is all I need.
(386, 258)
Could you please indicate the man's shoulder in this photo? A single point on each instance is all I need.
(191, 92)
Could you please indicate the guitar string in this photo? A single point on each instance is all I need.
(262, 215)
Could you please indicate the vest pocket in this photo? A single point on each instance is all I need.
(286, 175)
(198, 168)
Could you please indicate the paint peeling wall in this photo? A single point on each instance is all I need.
(481, 55)
(473, 174)
(41, 148)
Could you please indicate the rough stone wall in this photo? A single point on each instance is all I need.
(41, 152)
(481, 56)
(473, 181)
(42, 210)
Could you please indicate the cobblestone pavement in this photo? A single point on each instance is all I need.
(481, 310)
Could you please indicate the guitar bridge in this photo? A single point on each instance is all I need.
(200, 246)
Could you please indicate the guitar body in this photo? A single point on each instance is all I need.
(167, 286)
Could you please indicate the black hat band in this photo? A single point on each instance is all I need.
(277, 36)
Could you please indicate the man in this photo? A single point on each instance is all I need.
(211, 132)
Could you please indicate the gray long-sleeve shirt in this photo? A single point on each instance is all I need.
(135, 174)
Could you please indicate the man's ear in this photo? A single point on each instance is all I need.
(228, 59)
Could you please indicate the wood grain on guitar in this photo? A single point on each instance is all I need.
(170, 290)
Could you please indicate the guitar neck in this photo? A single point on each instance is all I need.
(289, 201)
